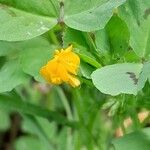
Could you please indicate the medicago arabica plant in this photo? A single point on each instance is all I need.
(75, 74)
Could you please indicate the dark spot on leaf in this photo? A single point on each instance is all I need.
(146, 13)
(133, 77)
(90, 12)
(120, 46)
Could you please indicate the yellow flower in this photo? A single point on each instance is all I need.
(62, 68)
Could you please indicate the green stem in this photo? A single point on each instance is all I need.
(65, 103)
(53, 37)
(69, 115)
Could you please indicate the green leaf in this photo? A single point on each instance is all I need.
(86, 70)
(62, 139)
(118, 78)
(5, 48)
(35, 55)
(139, 140)
(32, 125)
(89, 16)
(18, 25)
(88, 59)
(29, 143)
(135, 13)
(144, 75)
(44, 8)
(75, 37)
(114, 38)
(49, 128)
(102, 42)
(13, 102)
(118, 35)
(11, 76)
(26, 57)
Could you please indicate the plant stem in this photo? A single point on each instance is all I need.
(65, 103)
